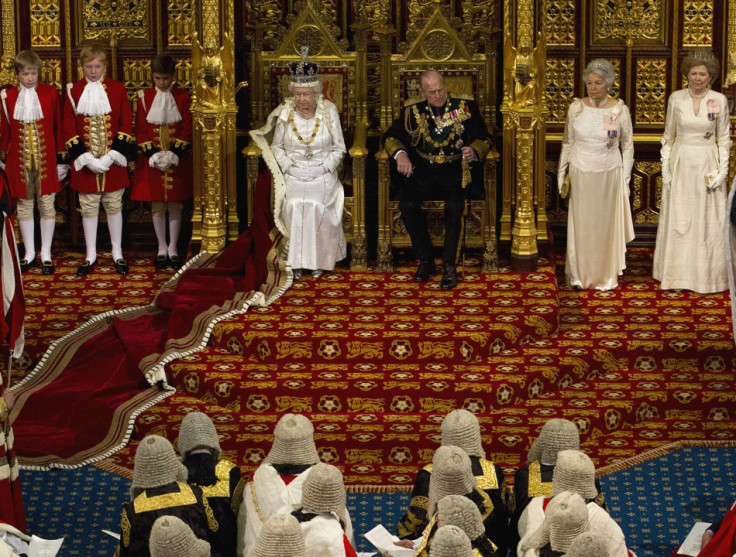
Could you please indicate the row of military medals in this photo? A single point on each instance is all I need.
(441, 122)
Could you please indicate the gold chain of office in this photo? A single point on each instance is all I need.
(457, 127)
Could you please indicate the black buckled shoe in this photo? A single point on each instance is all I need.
(449, 278)
(85, 268)
(175, 262)
(121, 266)
(161, 261)
(425, 270)
(47, 267)
(25, 264)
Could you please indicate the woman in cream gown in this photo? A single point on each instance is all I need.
(598, 155)
(303, 157)
(690, 252)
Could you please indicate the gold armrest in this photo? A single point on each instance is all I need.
(359, 148)
(251, 150)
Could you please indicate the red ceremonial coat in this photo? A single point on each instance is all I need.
(50, 140)
(149, 183)
(11, 500)
(118, 135)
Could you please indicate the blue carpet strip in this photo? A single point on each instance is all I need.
(655, 502)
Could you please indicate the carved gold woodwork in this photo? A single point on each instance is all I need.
(731, 58)
(560, 22)
(524, 110)
(184, 76)
(136, 75)
(344, 78)
(642, 211)
(629, 20)
(51, 73)
(651, 87)
(697, 23)
(213, 119)
(45, 23)
(436, 41)
(560, 87)
(524, 231)
(181, 22)
(122, 20)
(8, 38)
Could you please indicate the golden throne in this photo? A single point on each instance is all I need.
(468, 74)
(343, 75)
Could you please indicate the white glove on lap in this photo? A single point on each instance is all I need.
(307, 173)
(2, 165)
(62, 171)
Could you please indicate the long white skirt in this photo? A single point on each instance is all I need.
(599, 226)
(312, 213)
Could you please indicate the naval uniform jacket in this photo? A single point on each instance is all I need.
(98, 135)
(32, 146)
(435, 148)
(149, 183)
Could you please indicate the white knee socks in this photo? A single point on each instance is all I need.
(90, 237)
(159, 226)
(47, 237)
(174, 229)
(115, 225)
(29, 240)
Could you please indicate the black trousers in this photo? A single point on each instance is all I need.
(434, 183)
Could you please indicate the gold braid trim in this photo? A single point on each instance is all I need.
(489, 479)
(259, 512)
(392, 145)
(537, 487)
(211, 520)
(125, 529)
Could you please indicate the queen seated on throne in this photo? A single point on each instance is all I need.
(302, 144)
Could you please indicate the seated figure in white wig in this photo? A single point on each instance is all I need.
(303, 156)
(276, 487)
(460, 428)
(574, 473)
(534, 479)
(323, 515)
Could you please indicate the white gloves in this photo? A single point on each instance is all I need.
(714, 181)
(106, 161)
(96, 166)
(99, 165)
(62, 171)
(2, 165)
(306, 173)
(163, 160)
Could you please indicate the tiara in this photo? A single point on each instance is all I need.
(701, 54)
(304, 72)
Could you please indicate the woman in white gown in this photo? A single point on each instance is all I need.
(597, 156)
(690, 252)
(303, 157)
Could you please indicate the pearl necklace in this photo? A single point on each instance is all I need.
(600, 103)
(697, 97)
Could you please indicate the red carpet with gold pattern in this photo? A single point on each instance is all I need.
(376, 360)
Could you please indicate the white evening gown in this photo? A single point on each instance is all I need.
(599, 223)
(312, 209)
(690, 252)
